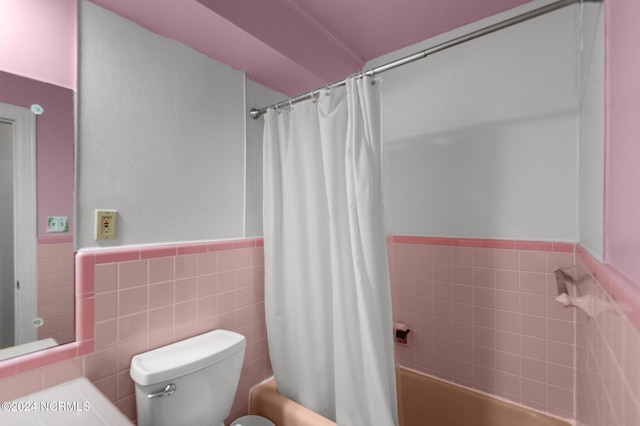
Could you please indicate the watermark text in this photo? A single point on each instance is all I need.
(75, 406)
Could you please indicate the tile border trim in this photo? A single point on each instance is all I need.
(562, 247)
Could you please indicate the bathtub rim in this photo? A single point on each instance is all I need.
(270, 382)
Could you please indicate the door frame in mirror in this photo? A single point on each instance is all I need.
(25, 224)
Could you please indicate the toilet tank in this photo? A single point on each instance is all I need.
(191, 382)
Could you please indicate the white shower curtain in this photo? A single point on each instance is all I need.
(327, 291)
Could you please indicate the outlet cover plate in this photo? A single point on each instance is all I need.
(106, 224)
(57, 224)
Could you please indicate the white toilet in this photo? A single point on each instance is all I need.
(191, 382)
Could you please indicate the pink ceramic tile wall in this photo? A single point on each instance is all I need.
(483, 315)
(145, 303)
(56, 290)
(145, 298)
(608, 350)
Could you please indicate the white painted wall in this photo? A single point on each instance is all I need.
(257, 96)
(481, 139)
(591, 153)
(161, 136)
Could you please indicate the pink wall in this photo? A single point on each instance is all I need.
(483, 315)
(39, 40)
(607, 349)
(481, 311)
(622, 203)
(137, 299)
(56, 291)
(55, 143)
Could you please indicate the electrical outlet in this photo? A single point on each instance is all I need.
(57, 224)
(106, 224)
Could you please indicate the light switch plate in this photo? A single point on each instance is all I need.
(106, 224)
(57, 224)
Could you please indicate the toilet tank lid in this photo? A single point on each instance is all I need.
(185, 356)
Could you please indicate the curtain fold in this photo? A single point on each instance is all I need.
(327, 290)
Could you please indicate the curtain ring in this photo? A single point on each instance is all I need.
(327, 91)
(290, 105)
(313, 100)
(278, 108)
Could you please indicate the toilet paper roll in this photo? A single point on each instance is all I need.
(401, 326)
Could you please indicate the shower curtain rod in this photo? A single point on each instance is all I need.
(255, 112)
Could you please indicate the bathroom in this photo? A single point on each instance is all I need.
(501, 155)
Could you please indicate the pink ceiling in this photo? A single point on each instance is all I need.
(293, 46)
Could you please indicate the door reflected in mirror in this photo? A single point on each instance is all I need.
(36, 209)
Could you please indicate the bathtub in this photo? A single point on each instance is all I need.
(424, 401)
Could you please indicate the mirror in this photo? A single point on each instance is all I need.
(37, 82)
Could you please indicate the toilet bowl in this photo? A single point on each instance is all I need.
(252, 421)
(191, 382)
